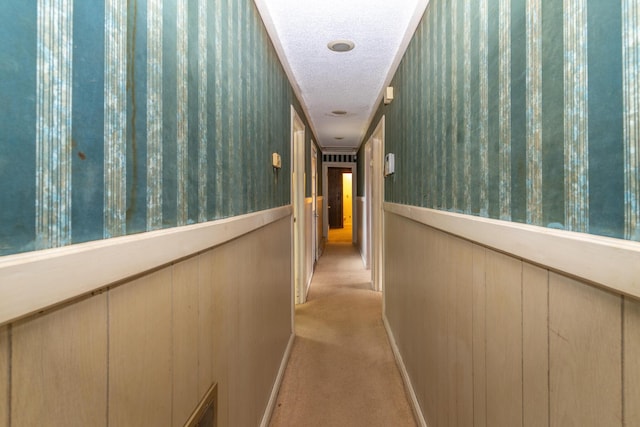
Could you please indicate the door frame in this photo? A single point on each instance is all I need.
(314, 204)
(325, 208)
(297, 202)
(376, 204)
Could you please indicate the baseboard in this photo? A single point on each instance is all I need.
(266, 418)
(415, 406)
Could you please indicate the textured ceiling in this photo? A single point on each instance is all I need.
(351, 81)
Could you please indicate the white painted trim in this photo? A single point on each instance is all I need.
(35, 281)
(298, 238)
(415, 406)
(268, 412)
(604, 261)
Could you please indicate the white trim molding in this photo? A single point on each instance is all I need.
(273, 398)
(406, 379)
(36, 281)
(611, 263)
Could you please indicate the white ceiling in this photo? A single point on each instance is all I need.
(353, 81)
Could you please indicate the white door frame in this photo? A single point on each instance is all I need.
(377, 208)
(325, 206)
(297, 201)
(367, 232)
(314, 204)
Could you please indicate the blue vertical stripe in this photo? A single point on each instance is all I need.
(88, 122)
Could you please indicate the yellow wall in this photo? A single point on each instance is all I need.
(146, 351)
(490, 340)
(347, 199)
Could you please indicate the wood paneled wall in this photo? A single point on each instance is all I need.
(490, 340)
(146, 351)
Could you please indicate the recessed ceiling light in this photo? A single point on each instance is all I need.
(338, 112)
(339, 138)
(341, 45)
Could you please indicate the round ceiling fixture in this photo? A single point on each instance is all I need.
(339, 138)
(339, 112)
(341, 45)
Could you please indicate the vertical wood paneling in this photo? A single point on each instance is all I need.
(5, 385)
(206, 321)
(59, 367)
(463, 257)
(430, 326)
(479, 338)
(444, 381)
(185, 340)
(631, 372)
(535, 345)
(140, 351)
(450, 354)
(504, 340)
(585, 354)
(222, 312)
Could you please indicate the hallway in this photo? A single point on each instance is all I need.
(341, 371)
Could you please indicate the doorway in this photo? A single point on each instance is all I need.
(297, 200)
(375, 205)
(338, 195)
(314, 204)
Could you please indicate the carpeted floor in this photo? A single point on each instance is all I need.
(341, 371)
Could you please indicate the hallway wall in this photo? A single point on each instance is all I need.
(125, 123)
(522, 111)
(507, 112)
(144, 352)
(488, 339)
(124, 117)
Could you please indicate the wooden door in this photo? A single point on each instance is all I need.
(335, 197)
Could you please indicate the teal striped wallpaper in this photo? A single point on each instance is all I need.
(119, 117)
(522, 110)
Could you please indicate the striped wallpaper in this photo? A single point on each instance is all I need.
(119, 117)
(522, 110)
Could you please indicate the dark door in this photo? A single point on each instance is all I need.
(335, 198)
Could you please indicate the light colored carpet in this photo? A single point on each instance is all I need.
(341, 371)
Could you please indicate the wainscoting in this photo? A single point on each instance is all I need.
(486, 338)
(144, 351)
